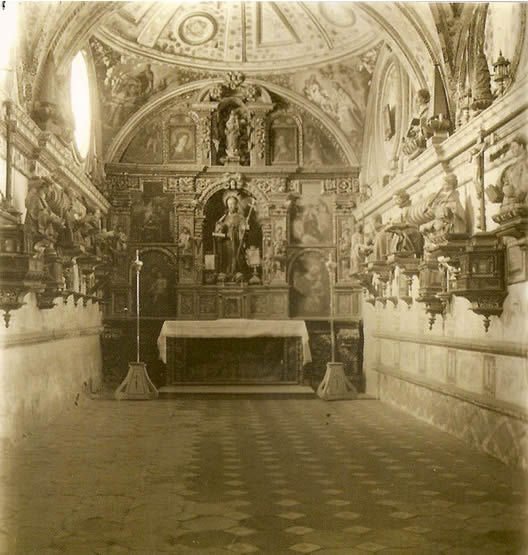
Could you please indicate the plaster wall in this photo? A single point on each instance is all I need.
(49, 360)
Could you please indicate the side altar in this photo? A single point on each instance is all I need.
(234, 351)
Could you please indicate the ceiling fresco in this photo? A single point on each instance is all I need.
(251, 36)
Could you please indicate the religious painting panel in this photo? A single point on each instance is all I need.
(186, 249)
(283, 141)
(310, 293)
(156, 284)
(208, 305)
(259, 304)
(186, 304)
(278, 254)
(232, 307)
(150, 215)
(279, 305)
(312, 219)
(318, 150)
(146, 147)
(182, 140)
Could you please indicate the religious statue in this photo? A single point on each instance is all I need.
(382, 241)
(357, 250)
(73, 211)
(278, 266)
(229, 235)
(407, 240)
(344, 250)
(232, 132)
(279, 243)
(42, 223)
(185, 241)
(446, 212)
(513, 188)
(416, 139)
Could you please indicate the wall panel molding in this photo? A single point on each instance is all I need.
(480, 401)
(47, 336)
(501, 348)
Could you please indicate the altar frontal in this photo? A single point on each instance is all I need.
(242, 350)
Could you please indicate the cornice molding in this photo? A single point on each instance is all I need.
(501, 348)
(26, 339)
(50, 157)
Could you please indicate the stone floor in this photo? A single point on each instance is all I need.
(243, 476)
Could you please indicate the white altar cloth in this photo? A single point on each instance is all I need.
(234, 328)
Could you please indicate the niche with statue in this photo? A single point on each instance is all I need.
(232, 238)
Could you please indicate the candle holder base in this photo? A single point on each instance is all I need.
(137, 385)
(335, 385)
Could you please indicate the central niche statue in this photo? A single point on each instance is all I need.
(230, 240)
(232, 132)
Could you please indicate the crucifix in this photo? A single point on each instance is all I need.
(477, 157)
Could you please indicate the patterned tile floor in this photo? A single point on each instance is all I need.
(247, 476)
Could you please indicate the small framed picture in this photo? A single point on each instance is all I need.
(182, 143)
(284, 145)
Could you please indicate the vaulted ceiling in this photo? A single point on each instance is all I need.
(249, 36)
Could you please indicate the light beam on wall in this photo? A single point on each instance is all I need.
(80, 100)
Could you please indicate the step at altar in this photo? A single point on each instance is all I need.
(234, 391)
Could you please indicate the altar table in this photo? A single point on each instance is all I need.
(234, 350)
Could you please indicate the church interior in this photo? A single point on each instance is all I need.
(263, 277)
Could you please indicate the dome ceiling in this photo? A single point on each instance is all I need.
(252, 36)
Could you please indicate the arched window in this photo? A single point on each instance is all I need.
(8, 35)
(80, 100)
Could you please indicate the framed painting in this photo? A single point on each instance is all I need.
(283, 145)
(182, 143)
(310, 293)
(312, 219)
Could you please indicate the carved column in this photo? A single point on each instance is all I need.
(259, 135)
(205, 153)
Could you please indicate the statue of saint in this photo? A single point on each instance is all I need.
(185, 241)
(382, 241)
(446, 210)
(513, 188)
(42, 223)
(232, 132)
(416, 138)
(229, 235)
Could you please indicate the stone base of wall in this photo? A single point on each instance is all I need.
(498, 433)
